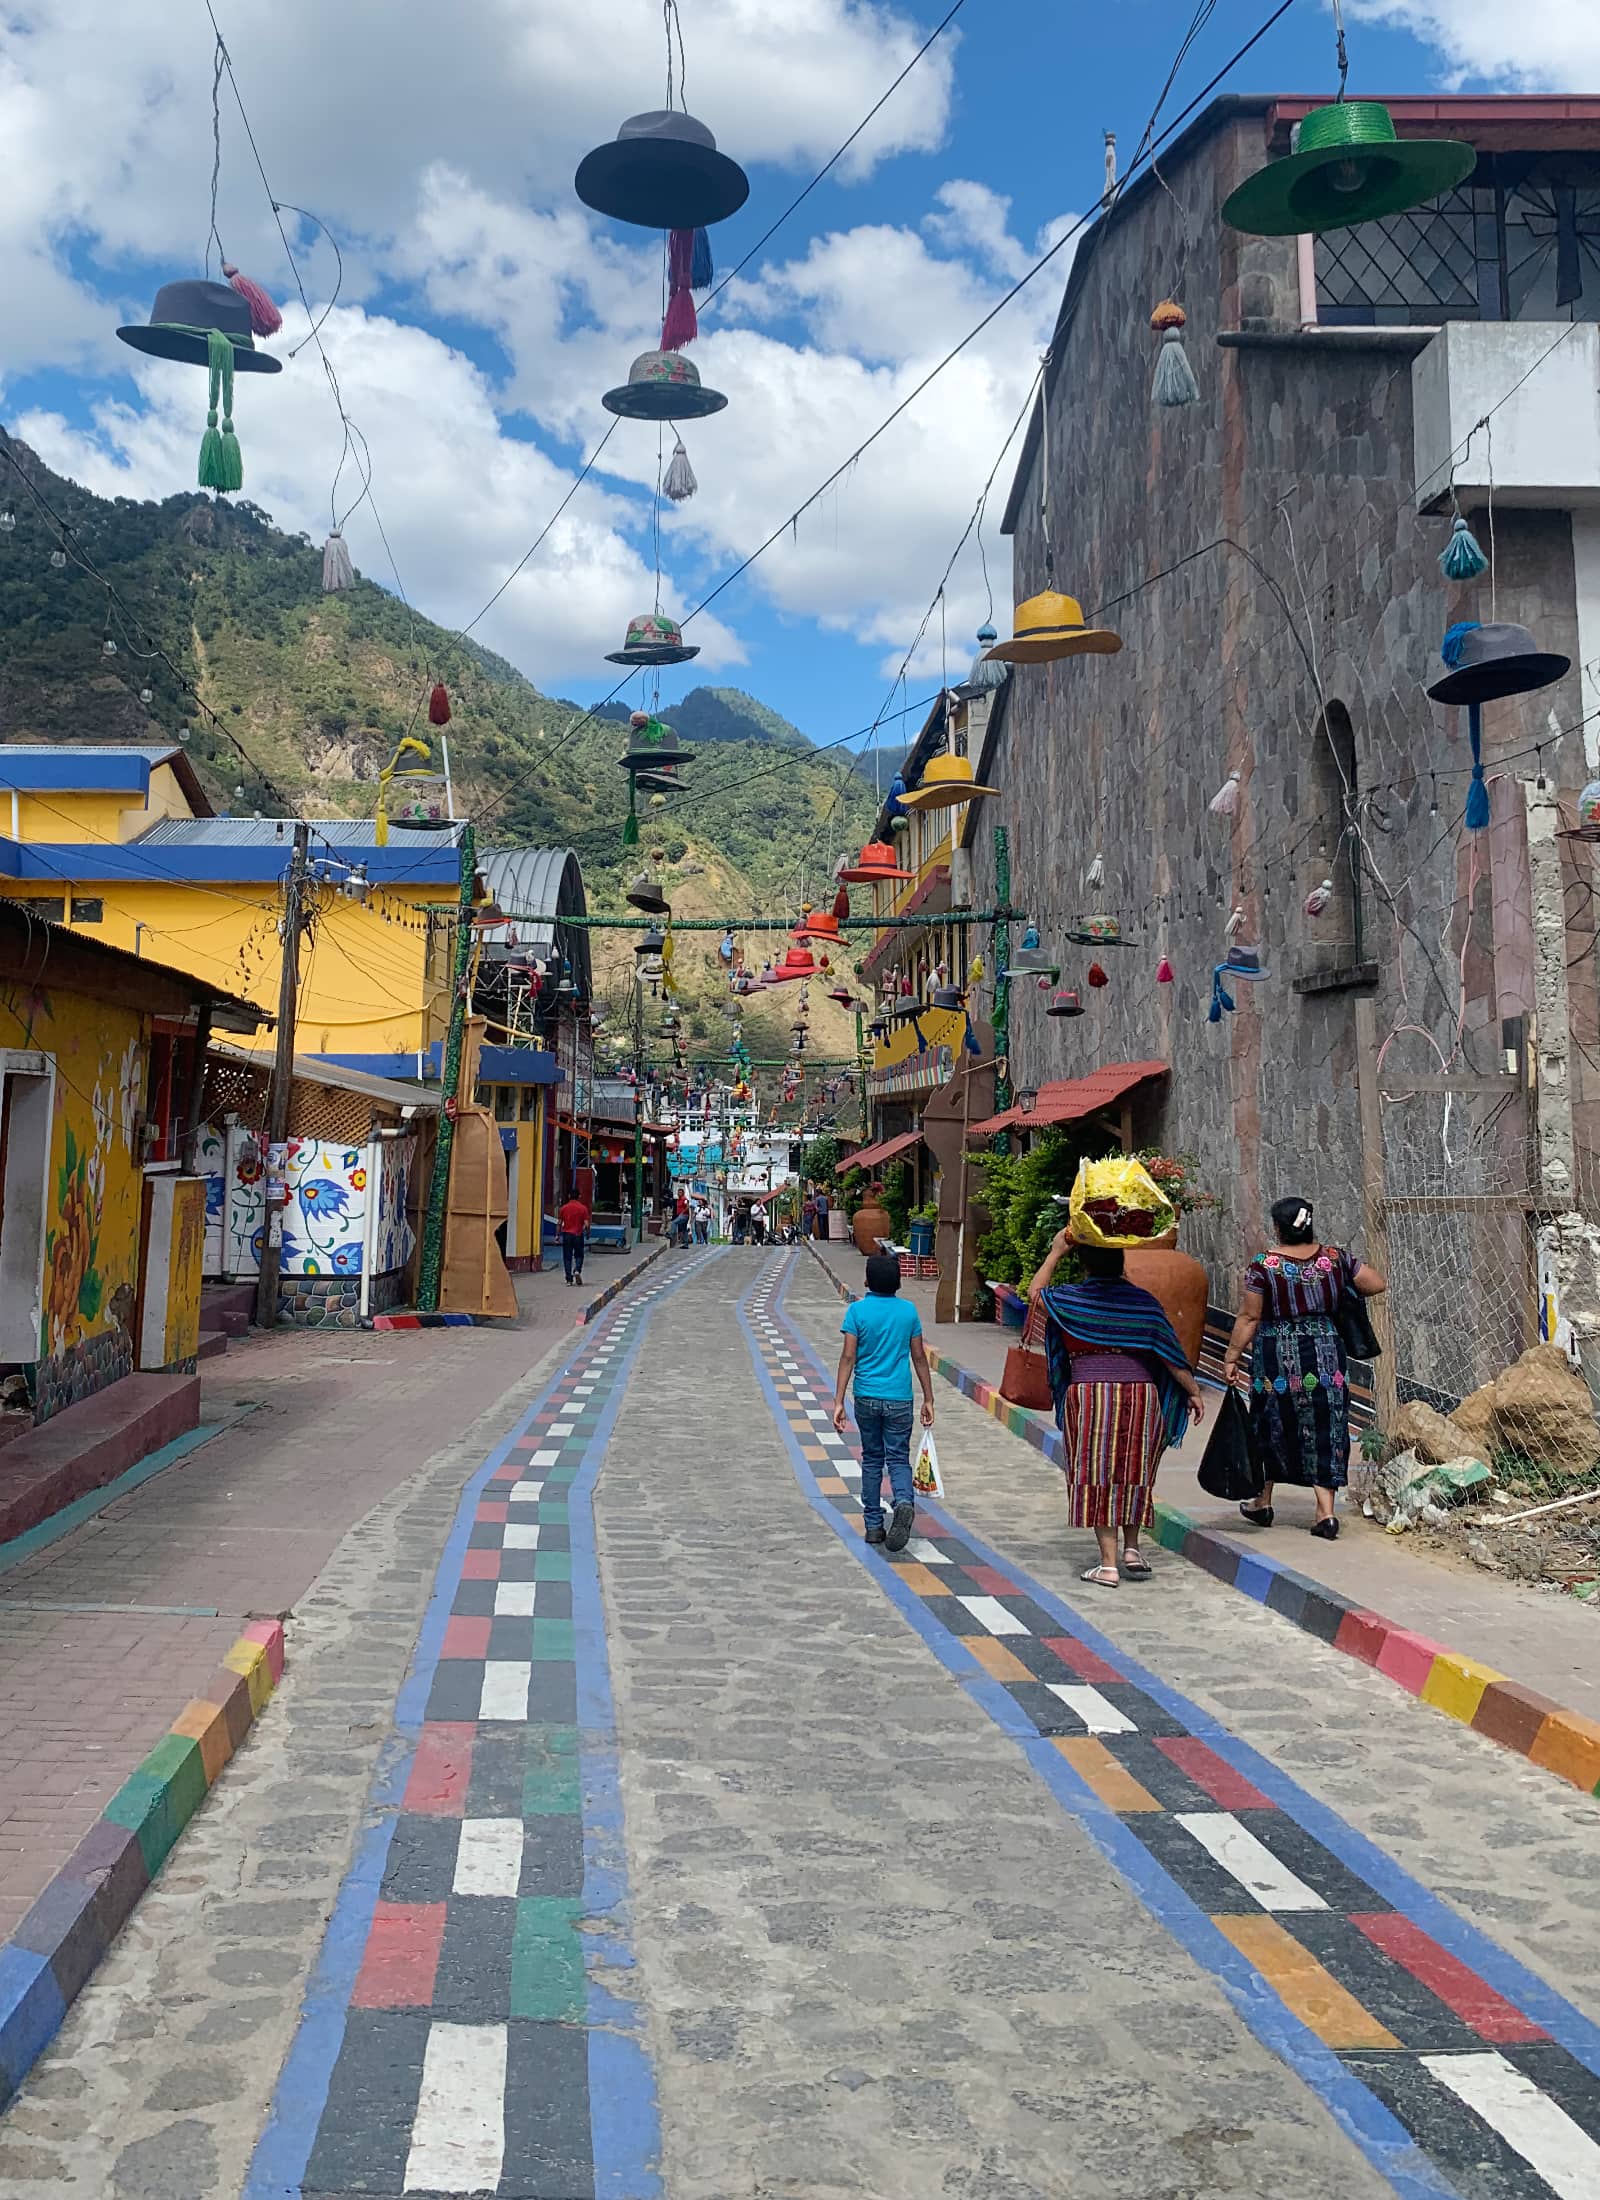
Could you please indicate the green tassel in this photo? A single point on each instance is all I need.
(630, 831)
(221, 461)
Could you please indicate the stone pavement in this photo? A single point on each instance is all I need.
(107, 1632)
(849, 1896)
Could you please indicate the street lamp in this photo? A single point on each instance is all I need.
(1026, 1097)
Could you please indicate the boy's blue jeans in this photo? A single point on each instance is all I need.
(885, 1425)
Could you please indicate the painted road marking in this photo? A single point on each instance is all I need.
(525, 1493)
(520, 1537)
(929, 1553)
(1529, 2121)
(993, 1615)
(1255, 1867)
(505, 1690)
(489, 1857)
(545, 1459)
(458, 2138)
(514, 1599)
(1098, 1713)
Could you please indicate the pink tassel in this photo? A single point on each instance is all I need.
(265, 319)
(681, 325)
(1163, 972)
(1318, 898)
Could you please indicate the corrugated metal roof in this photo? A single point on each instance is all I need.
(151, 752)
(537, 888)
(268, 832)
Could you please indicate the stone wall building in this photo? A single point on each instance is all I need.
(1269, 557)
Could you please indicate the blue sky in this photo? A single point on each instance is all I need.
(484, 310)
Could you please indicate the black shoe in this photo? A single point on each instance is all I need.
(1328, 1529)
(875, 1535)
(900, 1523)
(1259, 1516)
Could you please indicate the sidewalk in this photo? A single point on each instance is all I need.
(1546, 1644)
(108, 1630)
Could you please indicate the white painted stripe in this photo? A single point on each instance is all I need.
(514, 1599)
(818, 1413)
(516, 1537)
(524, 1493)
(810, 1396)
(583, 1390)
(505, 1692)
(929, 1553)
(1538, 2129)
(489, 1856)
(1255, 1867)
(560, 1428)
(994, 1615)
(1098, 1713)
(544, 1458)
(458, 2135)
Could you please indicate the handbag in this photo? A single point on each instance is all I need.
(1026, 1381)
(1354, 1324)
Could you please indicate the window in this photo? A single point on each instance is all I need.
(88, 909)
(1519, 241)
(48, 910)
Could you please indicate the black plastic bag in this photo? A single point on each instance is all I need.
(1231, 1465)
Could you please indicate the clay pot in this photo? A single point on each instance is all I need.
(870, 1223)
(1179, 1282)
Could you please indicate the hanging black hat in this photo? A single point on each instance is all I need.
(181, 320)
(662, 171)
(1487, 662)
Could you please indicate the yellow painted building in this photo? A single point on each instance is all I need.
(122, 846)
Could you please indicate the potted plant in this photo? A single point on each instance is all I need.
(922, 1223)
(871, 1220)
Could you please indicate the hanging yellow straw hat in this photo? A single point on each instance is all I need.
(1049, 626)
(947, 782)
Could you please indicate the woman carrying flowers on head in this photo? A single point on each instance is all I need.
(1122, 1386)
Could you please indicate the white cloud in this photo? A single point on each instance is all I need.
(1543, 45)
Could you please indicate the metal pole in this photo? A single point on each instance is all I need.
(277, 1193)
(862, 1071)
(638, 1112)
(1002, 959)
(1369, 1103)
(439, 1183)
(191, 1121)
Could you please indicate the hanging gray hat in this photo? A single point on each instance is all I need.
(662, 171)
(182, 317)
(1487, 662)
(663, 385)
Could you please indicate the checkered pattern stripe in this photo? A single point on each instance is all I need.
(466, 2061)
(1490, 2082)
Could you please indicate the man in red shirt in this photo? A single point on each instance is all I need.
(573, 1221)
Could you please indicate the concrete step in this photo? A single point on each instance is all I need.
(89, 1444)
(213, 1344)
(228, 1308)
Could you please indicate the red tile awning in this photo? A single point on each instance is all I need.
(870, 1156)
(1069, 1099)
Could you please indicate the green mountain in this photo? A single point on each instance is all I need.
(312, 692)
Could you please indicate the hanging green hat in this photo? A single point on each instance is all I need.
(1347, 167)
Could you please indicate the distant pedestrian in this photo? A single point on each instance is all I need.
(1122, 1391)
(573, 1223)
(741, 1225)
(808, 1214)
(1298, 1380)
(680, 1219)
(882, 1348)
(820, 1224)
(702, 1223)
(758, 1224)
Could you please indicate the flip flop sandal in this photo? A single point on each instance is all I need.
(1134, 1568)
(1101, 1577)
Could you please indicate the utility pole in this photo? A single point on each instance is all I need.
(638, 1111)
(439, 1184)
(277, 1177)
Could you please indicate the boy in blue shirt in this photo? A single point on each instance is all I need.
(882, 1344)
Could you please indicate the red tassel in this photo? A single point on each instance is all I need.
(1097, 976)
(439, 706)
(265, 319)
(841, 903)
(1163, 972)
(681, 325)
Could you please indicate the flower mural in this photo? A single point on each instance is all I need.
(74, 1285)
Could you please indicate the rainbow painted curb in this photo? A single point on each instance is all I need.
(1559, 1740)
(45, 1963)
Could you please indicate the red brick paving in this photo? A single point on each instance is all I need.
(244, 1524)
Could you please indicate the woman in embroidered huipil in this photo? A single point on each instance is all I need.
(1299, 1401)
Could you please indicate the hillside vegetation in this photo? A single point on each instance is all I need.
(318, 689)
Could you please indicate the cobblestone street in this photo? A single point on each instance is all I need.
(623, 1826)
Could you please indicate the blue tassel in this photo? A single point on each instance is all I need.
(701, 270)
(922, 1044)
(1461, 559)
(1221, 998)
(1450, 647)
(969, 1039)
(1478, 792)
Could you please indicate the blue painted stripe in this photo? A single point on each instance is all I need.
(1372, 2127)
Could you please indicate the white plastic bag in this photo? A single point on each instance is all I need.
(926, 1479)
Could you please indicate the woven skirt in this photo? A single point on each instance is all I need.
(1112, 1438)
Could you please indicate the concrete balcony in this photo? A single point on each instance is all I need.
(1542, 443)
